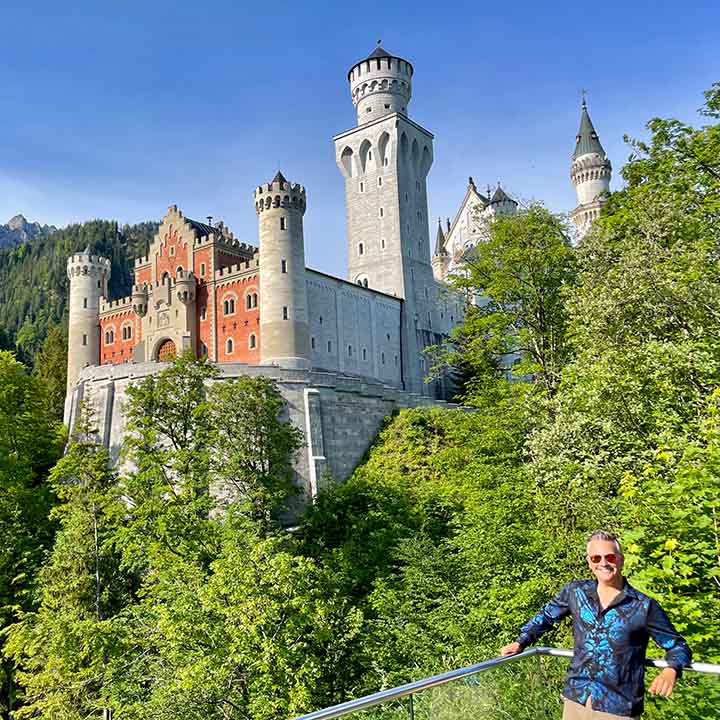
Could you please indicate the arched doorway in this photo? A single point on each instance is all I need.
(166, 352)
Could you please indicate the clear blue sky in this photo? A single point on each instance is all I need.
(116, 113)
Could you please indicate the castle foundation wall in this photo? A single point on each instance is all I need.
(339, 415)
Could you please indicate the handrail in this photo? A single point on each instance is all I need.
(411, 688)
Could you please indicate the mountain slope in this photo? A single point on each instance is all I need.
(34, 284)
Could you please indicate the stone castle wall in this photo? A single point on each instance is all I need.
(338, 415)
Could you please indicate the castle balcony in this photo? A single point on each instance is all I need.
(523, 686)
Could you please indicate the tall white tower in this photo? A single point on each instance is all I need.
(590, 173)
(89, 275)
(385, 161)
(284, 332)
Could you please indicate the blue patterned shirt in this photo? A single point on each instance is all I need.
(608, 662)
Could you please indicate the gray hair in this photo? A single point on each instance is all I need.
(604, 535)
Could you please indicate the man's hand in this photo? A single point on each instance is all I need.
(512, 649)
(664, 683)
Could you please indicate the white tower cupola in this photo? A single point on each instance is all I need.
(380, 85)
(590, 173)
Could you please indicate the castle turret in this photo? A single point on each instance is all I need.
(89, 276)
(440, 258)
(590, 173)
(380, 85)
(284, 333)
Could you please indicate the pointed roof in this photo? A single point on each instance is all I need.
(279, 177)
(587, 140)
(86, 251)
(379, 52)
(500, 196)
(440, 240)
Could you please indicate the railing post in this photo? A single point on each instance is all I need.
(412, 708)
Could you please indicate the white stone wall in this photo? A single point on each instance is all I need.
(361, 326)
(339, 416)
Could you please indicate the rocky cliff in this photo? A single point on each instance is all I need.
(18, 230)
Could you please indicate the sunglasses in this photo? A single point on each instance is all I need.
(612, 558)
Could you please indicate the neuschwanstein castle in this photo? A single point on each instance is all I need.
(345, 352)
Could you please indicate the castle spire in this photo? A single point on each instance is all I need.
(587, 140)
(440, 240)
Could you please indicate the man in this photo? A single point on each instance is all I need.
(611, 625)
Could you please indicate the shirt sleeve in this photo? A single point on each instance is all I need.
(663, 632)
(548, 616)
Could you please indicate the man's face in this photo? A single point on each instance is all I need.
(604, 566)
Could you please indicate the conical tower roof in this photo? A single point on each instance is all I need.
(279, 178)
(587, 140)
(440, 240)
(500, 196)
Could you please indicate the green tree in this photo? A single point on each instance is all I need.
(63, 647)
(518, 275)
(50, 369)
(30, 442)
(251, 449)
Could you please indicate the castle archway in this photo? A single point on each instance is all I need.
(166, 351)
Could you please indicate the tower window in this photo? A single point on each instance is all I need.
(84, 339)
(282, 223)
(252, 341)
(329, 346)
(387, 107)
(364, 353)
(382, 212)
(312, 343)
(321, 319)
(203, 312)
(369, 154)
(362, 186)
(386, 162)
(229, 306)
(368, 110)
(84, 302)
(361, 249)
(283, 265)
(229, 346)
(349, 350)
(98, 284)
(285, 312)
(172, 252)
(202, 269)
(382, 243)
(379, 182)
(382, 358)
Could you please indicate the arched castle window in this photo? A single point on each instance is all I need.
(229, 345)
(383, 149)
(365, 155)
(127, 331)
(282, 224)
(251, 300)
(179, 270)
(109, 336)
(312, 343)
(349, 350)
(172, 251)
(229, 306)
(364, 353)
(283, 265)
(346, 158)
(252, 341)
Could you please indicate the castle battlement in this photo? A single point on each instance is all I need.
(279, 193)
(114, 305)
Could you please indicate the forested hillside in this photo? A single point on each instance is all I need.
(132, 591)
(34, 284)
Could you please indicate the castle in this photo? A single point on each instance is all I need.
(344, 352)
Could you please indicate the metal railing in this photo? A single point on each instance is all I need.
(402, 691)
